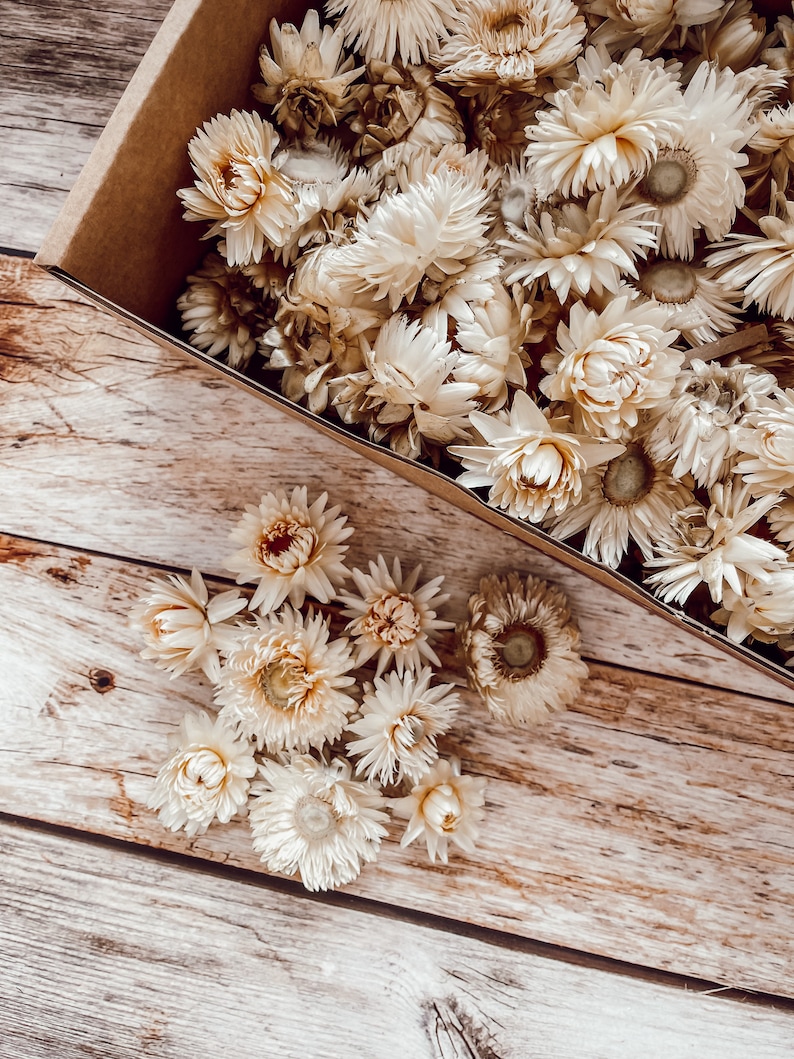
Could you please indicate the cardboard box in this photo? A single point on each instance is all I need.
(120, 239)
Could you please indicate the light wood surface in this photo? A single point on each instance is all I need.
(647, 830)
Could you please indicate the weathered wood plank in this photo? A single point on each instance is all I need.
(652, 823)
(109, 442)
(110, 954)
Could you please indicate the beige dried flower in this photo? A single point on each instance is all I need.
(499, 120)
(651, 23)
(521, 648)
(765, 609)
(761, 265)
(409, 30)
(768, 445)
(443, 808)
(697, 302)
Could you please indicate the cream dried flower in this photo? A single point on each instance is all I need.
(183, 628)
(761, 265)
(607, 127)
(701, 424)
(577, 249)
(206, 777)
(632, 498)
(521, 648)
(499, 119)
(307, 77)
(652, 23)
(239, 186)
(393, 616)
(531, 464)
(765, 609)
(444, 808)
(490, 341)
(282, 683)
(387, 29)
(312, 818)
(290, 549)
(768, 445)
(781, 520)
(711, 546)
(400, 719)
(611, 365)
(511, 43)
(697, 302)
(735, 38)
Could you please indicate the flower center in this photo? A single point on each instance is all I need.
(670, 177)
(285, 545)
(409, 731)
(629, 477)
(280, 681)
(314, 818)
(442, 809)
(669, 281)
(521, 651)
(393, 619)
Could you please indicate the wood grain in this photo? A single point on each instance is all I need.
(122, 956)
(652, 823)
(110, 443)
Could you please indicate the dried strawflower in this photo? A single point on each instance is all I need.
(781, 520)
(384, 29)
(183, 628)
(651, 23)
(311, 817)
(767, 445)
(400, 720)
(393, 617)
(521, 648)
(284, 683)
(697, 302)
(765, 609)
(290, 549)
(530, 463)
(499, 119)
(489, 341)
(443, 808)
(206, 777)
(239, 186)
(734, 38)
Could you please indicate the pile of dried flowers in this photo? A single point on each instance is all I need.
(315, 750)
(545, 245)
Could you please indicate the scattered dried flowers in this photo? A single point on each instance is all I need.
(530, 242)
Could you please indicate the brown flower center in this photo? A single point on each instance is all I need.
(314, 818)
(520, 651)
(670, 178)
(285, 545)
(669, 281)
(393, 619)
(629, 477)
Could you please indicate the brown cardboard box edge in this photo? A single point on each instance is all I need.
(121, 242)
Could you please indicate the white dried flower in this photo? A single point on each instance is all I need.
(521, 648)
(781, 520)
(290, 549)
(400, 719)
(530, 463)
(611, 365)
(239, 185)
(385, 29)
(606, 128)
(632, 498)
(712, 546)
(183, 628)
(282, 683)
(206, 777)
(765, 609)
(649, 22)
(701, 424)
(394, 617)
(490, 341)
(578, 249)
(499, 119)
(768, 445)
(697, 302)
(511, 43)
(735, 38)
(313, 818)
(443, 808)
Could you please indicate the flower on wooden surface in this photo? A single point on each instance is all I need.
(183, 628)
(610, 365)
(290, 549)
(445, 808)
(239, 185)
(510, 43)
(521, 648)
(399, 721)
(307, 78)
(312, 818)
(393, 617)
(530, 462)
(409, 30)
(285, 683)
(206, 778)
(633, 497)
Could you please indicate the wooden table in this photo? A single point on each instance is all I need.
(632, 891)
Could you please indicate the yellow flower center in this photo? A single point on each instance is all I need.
(629, 477)
(282, 683)
(670, 178)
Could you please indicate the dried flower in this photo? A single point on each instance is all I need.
(521, 648)
(312, 818)
(206, 777)
(764, 610)
(383, 29)
(499, 119)
(183, 628)
(444, 807)
(649, 22)
(290, 549)
(761, 265)
(282, 683)
(400, 720)
(697, 302)
(781, 520)
(392, 618)
(768, 445)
